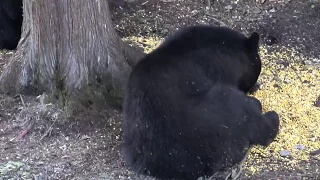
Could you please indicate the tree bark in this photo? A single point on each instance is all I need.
(69, 48)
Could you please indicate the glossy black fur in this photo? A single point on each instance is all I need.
(186, 112)
(10, 23)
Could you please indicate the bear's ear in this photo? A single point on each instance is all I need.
(253, 41)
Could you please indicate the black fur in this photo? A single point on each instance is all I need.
(10, 23)
(186, 113)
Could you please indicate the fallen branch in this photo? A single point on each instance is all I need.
(48, 131)
(215, 19)
(237, 170)
(21, 99)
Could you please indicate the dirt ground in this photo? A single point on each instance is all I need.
(38, 141)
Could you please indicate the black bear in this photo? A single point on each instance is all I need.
(186, 112)
(10, 23)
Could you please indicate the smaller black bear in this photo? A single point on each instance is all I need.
(186, 112)
(10, 23)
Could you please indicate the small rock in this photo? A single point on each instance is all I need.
(272, 10)
(85, 137)
(276, 86)
(228, 8)
(57, 170)
(270, 40)
(313, 139)
(299, 147)
(256, 10)
(39, 163)
(317, 102)
(167, 0)
(39, 176)
(194, 12)
(316, 60)
(284, 153)
(283, 62)
(277, 78)
(262, 1)
(165, 31)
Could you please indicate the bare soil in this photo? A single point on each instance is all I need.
(39, 142)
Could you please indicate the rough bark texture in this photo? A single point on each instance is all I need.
(69, 49)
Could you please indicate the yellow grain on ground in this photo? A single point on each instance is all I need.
(147, 43)
(290, 89)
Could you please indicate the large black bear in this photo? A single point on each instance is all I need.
(186, 112)
(10, 23)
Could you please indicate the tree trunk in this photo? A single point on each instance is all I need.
(69, 48)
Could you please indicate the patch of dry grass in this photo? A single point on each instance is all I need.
(291, 90)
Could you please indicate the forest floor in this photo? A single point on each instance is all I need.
(38, 141)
